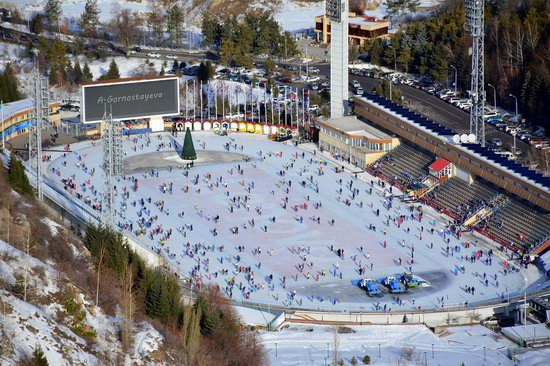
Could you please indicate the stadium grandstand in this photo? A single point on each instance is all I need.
(478, 189)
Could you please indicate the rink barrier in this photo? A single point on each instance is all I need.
(450, 315)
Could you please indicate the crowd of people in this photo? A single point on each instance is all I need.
(172, 210)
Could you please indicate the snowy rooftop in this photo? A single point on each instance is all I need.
(353, 125)
(14, 107)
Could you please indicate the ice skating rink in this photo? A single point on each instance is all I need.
(259, 218)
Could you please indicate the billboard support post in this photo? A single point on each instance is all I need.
(111, 138)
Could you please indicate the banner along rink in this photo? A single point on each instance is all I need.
(274, 223)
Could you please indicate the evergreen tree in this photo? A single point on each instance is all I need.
(112, 73)
(89, 19)
(175, 65)
(17, 177)
(9, 85)
(206, 71)
(52, 12)
(36, 25)
(86, 74)
(78, 76)
(28, 49)
(38, 357)
(383, 90)
(162, 71)
(188, 151)
(174, 24)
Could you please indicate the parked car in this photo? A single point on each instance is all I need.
(153, 54)
(355, 84)
(496, 141)
(314, 86)
(359, 91)
(170, 57)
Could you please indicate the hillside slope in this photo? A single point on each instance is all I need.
(59, 317)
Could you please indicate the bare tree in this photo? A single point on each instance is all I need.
(128, 306)
(156, 20)
(126, 26)
(100, 259)
(28, 245)
(532, 35)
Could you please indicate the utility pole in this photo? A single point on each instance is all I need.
(516, 100)
(494, 96)
(456, 74)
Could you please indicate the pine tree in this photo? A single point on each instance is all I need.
(38, 357)
(9, 85)
(205, 71)
(17, 177)
(188, 151)
(112, 73)
(36, 24)
(86, 74)
(89, 18)
(52, 12)
(77, 73)
(162, 71)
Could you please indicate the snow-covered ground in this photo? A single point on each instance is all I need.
(41, 321)
(73, 8)
(280, 256)
(394, 345)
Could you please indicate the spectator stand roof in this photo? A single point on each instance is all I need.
(443, 133)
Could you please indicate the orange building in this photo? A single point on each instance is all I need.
(361, 28)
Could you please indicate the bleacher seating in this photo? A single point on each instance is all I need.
(462, 198)
(515, 218)
(436, 128)
(404, 164)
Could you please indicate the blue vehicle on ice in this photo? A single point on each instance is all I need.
(369, 285)
(393, 284)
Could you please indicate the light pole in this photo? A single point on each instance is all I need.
(3, 131)
(494, 96)
(525, 312)
(484, 354)
(514, 134)
(394, 58)
(394, 66)
(516, 99)
(456, 75)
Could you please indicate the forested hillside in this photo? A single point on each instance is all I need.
(517, 51)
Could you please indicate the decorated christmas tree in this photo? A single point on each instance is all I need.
(188, 151)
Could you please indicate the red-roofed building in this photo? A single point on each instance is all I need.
(441, 168)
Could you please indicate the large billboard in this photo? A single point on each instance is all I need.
(130, 98)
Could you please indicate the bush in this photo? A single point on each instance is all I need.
(366, 359)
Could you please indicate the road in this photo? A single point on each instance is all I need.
(428, 105)
(442, 112)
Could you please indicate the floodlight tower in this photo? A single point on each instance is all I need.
(337, 12)
(475, 27)
(41, 111)
(111, 138)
